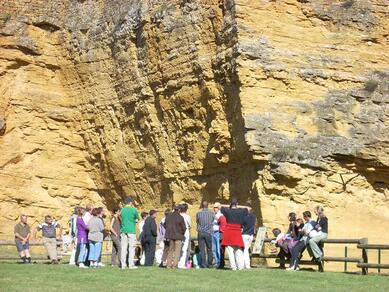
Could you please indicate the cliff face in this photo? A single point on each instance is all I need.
(284, 103)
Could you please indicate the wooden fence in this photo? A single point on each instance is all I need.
(362, 261)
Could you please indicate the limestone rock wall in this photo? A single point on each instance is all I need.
(284, 103)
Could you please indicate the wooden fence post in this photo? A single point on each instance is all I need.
(364, 256)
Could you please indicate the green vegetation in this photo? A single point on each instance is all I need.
(347, 3)
(40, 277)
(4, 17)
(371, 85)
(286, 153)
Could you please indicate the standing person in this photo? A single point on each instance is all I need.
(248, 234)
(216, 234)
(50, 237)
(162, 238)
(150, 238)
(175, 231)
(82, 238)
(218, 227)
(204, 219)
(141, 223)
(73, 235)
(322, 234)
(95, 236)
(22, 238)
(302, 243)
(115, 237)
(186, 244)
(232, 238)
(129, 216)
(87, 215)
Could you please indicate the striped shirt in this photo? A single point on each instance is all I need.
(204, 220)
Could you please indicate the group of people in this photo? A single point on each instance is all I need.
(302, 234)
(51, 232)
(228, 228)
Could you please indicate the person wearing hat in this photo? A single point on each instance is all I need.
(175, 234)
(129, 216)
(232, 237)
(149, 238)
(219, 226)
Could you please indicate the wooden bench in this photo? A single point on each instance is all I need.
(361, 261)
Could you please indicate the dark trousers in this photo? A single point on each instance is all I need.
(149, 248)
(205, 242)
(296, 251)
(78, 248)
(116, 250)
(222, 252)
(282, 255)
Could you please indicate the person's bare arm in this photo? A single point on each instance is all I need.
(20, 237)
(59, 235)
(34, 234)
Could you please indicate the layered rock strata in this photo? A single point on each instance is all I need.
(284, 103)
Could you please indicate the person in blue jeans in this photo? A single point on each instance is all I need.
(95, 236)
(82, 238)
(216, 235)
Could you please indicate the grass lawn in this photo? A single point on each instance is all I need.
(41, 277)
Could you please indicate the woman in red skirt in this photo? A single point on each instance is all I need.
(232, 237)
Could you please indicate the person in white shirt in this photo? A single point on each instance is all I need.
(186, 245)
(141, 223)
(87, 216)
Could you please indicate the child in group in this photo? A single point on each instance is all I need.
(95, 236)
(196, 258)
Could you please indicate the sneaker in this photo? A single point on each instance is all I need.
(82, 266)
(100, 264)
(290, 269)
(133, 267)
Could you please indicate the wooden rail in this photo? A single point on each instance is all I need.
(361, 261)
(366, 265)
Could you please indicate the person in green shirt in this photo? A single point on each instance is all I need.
(129, 216)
